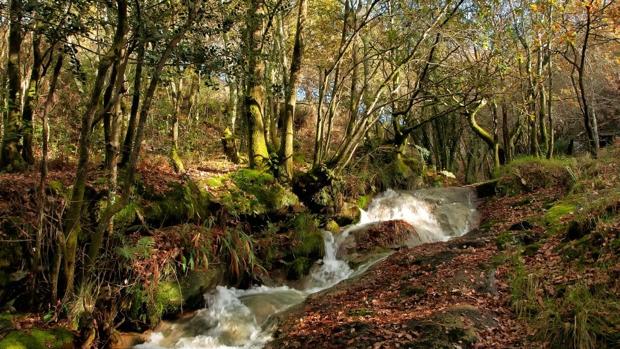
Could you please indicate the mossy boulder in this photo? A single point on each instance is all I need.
(198, 282)
(332, 226)
(251, 192)
(400, 173)
(270, 195)
(524, 175)
(307, 237)
(317, 188)
(558, 212)
(57, 338)
(182, 203)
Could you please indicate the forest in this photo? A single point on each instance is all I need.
(309, 174)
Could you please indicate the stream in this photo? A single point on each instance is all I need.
(240, 319)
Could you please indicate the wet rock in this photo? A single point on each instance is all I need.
(198, 282)
(378, 236)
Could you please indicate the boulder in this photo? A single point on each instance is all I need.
(377, 237)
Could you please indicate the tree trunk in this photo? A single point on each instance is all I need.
(255, 94)
(135, 105)
(44, 159)
(10, 157)
(589, 117)
(287, 137)
(30, 99)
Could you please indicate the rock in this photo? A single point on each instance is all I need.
(198, 282)
(378, 236)
(332, 226)
(129, 340)
(349, 214)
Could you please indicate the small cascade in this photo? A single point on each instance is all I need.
(404, 206)
(237, 319)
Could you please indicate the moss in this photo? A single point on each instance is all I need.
(299, 267)
(169, 296)
(6, 320)
(360, 312)
(256, 192)
(308, 239)
(529, 173)
(400, 173)
(531, 249)
(504, 240)
(184, 202)
(214, 182)
(197, 282)
(555, 214)
(38, 339)
(332, 226)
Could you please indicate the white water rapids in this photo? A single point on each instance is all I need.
(239, 319)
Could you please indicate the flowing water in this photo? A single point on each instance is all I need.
(239, 319)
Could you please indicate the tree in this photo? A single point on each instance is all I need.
(255, 90)
(10, 157)
(287, 133)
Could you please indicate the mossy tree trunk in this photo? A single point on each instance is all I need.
(10, 157)
(484, 134)
(135, 99)
(30, 99)
(287, 133)
(255, 93)
(43, 178)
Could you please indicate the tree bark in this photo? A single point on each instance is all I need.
(10, 157)
(287, 136)
(255, 94)
(30, 99)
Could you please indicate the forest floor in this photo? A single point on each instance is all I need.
(525, 278)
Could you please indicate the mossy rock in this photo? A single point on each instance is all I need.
(307, 237)
(198, 282)
(265, 188)
(252, 192)
(183, 203)
(557, 212)
(6, 321)
(332, 227)
(400, 173)
(38, 339)
(169, 297)
(529, 173)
